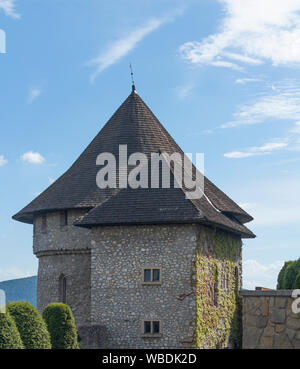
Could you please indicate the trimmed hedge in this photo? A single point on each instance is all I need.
(61, 326)
(9, 336)
(289, 276)
(31, 326)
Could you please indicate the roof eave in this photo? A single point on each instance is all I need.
(199, 221)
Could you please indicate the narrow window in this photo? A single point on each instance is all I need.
(237, 277)
(151, 328)
(147, 327)
(216, 285)
(216, 293)
(156, 327)
(147, 275)
(156, 275)
(44, 223)
(63, 218)
(63, 288)
(151, 276)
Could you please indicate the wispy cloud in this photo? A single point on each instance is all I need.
(242, 81)
(123, 46)
(8, 7)
(256, 274)
(251, 33)
(33, 94)
(183, 91)
(256, 150)
(3, 161)
(32, 158)
(281, 102)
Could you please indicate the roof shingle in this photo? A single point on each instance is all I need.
(134, 125)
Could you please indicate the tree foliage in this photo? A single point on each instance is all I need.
(289, 275)
(31, 326)
(9, 334)
(61, 326)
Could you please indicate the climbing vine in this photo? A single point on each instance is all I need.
(214, 286)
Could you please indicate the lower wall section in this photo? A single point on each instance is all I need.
(92, 336)
(76, 267)
(120, 301)
(268, 320)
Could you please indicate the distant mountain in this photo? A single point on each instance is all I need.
(23, 289)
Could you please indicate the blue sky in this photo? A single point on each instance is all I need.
(222, 76)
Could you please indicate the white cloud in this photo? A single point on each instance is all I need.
(256, 150)
(296, 128)
(252, 32)
(123, 46)
(247, 205)
(281, 103)
(8, 6)
(15, 273)
(33, 94)
(3, 161)
(256, 274)
(242, 81)
(183, 91)
(33, 157)
(51, 180)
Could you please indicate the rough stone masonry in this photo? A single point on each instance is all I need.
(268, 320)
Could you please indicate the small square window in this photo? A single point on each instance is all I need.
(151, 276)
(151, 328)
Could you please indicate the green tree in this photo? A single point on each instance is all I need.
(291, 274)
(280, 278)
(288, 276)
(297, 281)
(61, 326)
(9, 335)
(31, 326)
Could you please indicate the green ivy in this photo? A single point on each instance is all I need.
(218, 311)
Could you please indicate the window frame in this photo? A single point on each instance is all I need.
(155, 283)
(44, 223)
(62, 288)
(63, 219)
(151, 335)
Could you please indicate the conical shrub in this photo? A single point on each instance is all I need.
(61, 326)
(31, 326)
(9, 335)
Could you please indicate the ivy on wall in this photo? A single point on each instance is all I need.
(215, 287)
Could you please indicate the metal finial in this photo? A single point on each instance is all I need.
(132, 80)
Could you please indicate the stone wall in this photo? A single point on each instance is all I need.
(268, 320)
(120, 302)
(63, 251)
(103, 270)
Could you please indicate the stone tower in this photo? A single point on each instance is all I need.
(155, 268)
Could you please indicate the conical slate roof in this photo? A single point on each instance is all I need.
(134, 125)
